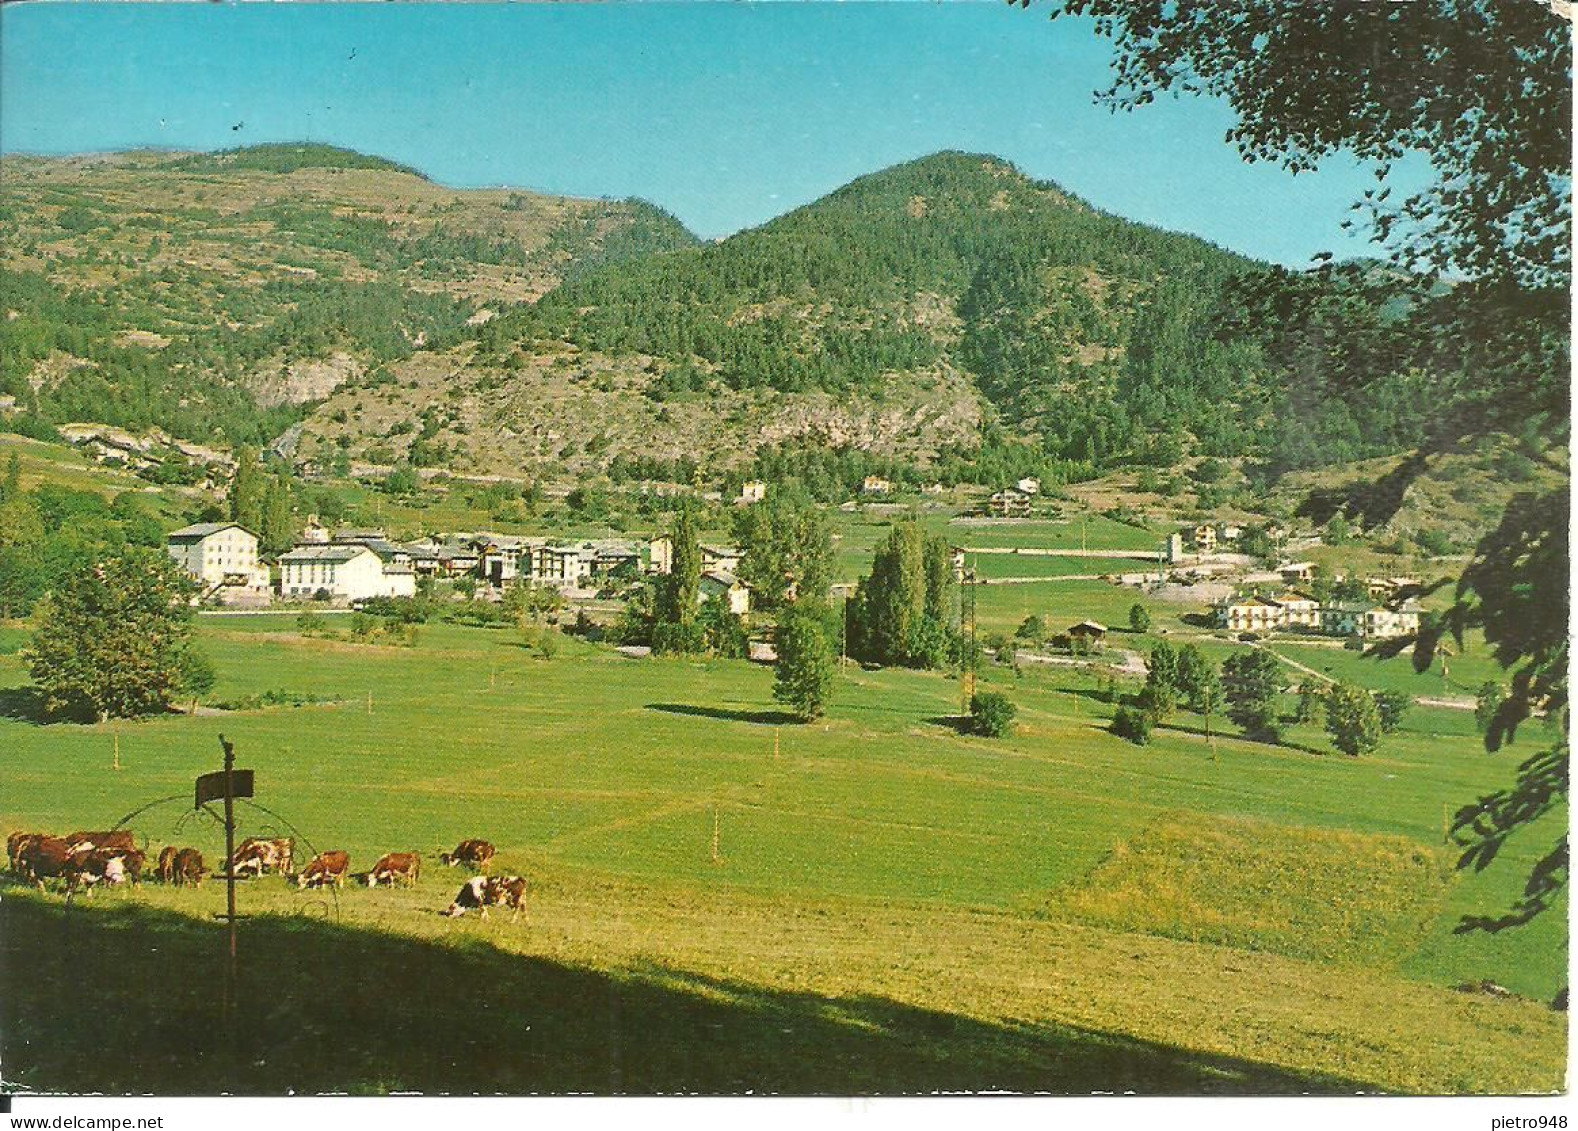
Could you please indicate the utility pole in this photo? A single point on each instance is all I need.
(967, 616)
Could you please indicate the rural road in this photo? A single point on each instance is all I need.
(1452, 703)
(1038, 552)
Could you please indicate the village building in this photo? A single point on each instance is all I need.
(1203, 538)
(612, 558)
(660, 555)
(1299, 610)
(1291, 572)
(1010, 502)
(720, 559)
(1029, 485)
(734, 591)
(1253, 613)
(346, 571)
(1173, 548)
(1369, 621)
(1385, 588)
(390, 553)
(875, 485)
(451, 556)
(223, 557)
(753, 492)
(500, 560)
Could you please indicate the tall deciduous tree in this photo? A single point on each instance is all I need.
(114, 637)
(247, 490)
(1160, 694)
(277, 527)
(675, 628)
(1352, 720)
(788, 549)
(1250, 683)
(900, 614)
(803, 680)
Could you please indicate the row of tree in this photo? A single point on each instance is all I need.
(1247, 689)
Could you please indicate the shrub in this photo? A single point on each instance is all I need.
(1391, 706)
(1134, 724)
(1352, 719)
(991, 714)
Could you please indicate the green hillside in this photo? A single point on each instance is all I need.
(213, 294)
(945, 319)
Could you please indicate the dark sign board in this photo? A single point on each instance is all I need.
(211, 787)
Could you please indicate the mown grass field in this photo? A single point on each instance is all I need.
(724, 901)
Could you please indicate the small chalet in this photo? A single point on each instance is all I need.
(1089, 631)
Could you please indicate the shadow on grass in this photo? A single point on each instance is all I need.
(1238, 736)
(768, 718)
(26, 704)
(324, 1007)
(959, 724)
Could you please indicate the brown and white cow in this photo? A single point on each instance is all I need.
(15, 843)
(474, 854)
(257, 856)
(45, 858)
(111, 838)
(188, 867)
(326, 868)
(107, 866)
(482, 892)
(394, 866)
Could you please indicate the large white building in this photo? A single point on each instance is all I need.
(344, 571)
(223, 557)
(1365, 619)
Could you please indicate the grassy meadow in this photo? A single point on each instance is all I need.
(723, 900)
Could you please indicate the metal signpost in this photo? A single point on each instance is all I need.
(227, 785)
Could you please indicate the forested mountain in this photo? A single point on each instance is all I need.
(947, 318)
(1081, 329)
(210, 294)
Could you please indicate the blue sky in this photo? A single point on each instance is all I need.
(725, 114)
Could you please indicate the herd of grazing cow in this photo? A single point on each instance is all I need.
(86, 859)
